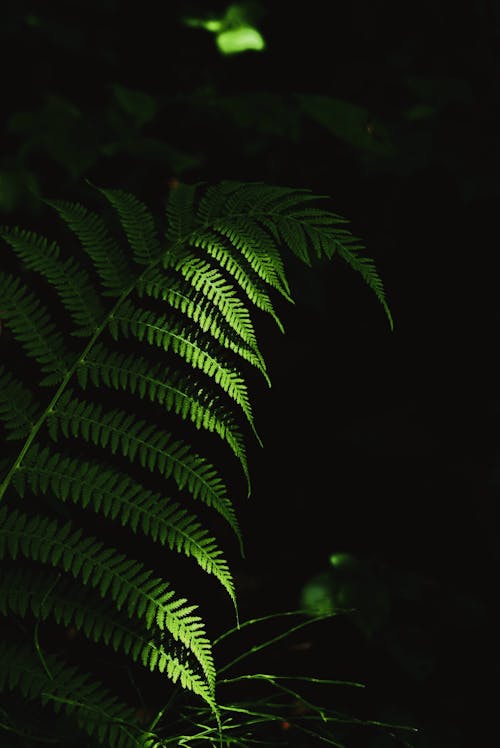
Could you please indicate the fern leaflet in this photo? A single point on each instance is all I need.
(149, 598)
(119, 497)
(156, 450)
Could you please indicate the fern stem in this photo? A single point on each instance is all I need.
(60, 390)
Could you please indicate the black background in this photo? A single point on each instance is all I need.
(377, 443)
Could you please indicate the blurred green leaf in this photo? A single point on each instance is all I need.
(153, 149)
(140, 106)
(271, 114)
(351, 123)
(439, 92)
(17, 185)
(235, 31)
(350, 584)
(420, 111)
(59, 129)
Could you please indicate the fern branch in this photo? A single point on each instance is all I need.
(228, 259)
(124, 579)
(366, 268)
(117, 496)
(69, 279)
(138, 225)
(169, 334)
(210, 299)
(31, 325)
(18, 412)
(59, 392)
(109, 260)
(258, 249)
(156, 450)
(46, 594)
(182, 395)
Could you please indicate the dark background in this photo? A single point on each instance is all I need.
(380, 444)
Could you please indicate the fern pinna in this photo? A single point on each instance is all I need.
(144, 313)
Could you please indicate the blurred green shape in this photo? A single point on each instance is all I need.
(420, 111)
(441, 91)
(262, 112)
(240, 40)
(32, 20)
(341, 559)
(351, 584)
(349, 122)
(140, 106)
(153, 150)
(235, 32)
(59, 129)
(316, 596)
(18, 186)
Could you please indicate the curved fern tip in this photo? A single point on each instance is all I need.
(389, 316)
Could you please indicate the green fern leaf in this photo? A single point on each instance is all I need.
(165, 332)
(211, 303)
(155, 449)
(138, 224)
(180, 212)
(70, 280)
(109, 260)
(230, 259)
(366, 268)
(31, 325)
(18, 412)
(41, 539)
(258, 248)
(117, 496)
(44, 593)
(182, 395)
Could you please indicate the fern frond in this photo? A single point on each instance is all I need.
(169, 334)
(155, 449)
(67, 689)
(115, 574)
(108, 259)
(18, 412)
(184, 396)
(223, 256)
(31, 325)
(138, 225)
(117, 496)
(44, 593)
(210, 302)
(69, 279)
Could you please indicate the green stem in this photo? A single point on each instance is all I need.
(67, 377)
